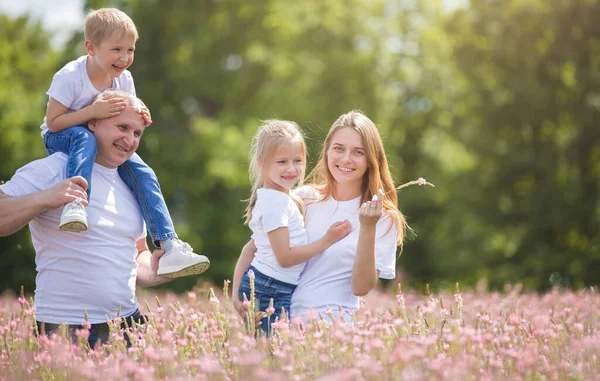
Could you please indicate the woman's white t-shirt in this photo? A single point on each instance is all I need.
(325, 281)
(275, 209)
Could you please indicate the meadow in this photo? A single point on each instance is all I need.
(466, 335)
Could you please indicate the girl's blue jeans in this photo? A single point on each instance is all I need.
(265, 289)
(80, 146)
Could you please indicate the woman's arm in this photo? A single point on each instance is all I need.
(246, 257)
(364, 271)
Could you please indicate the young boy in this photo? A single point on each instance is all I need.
(110, 37)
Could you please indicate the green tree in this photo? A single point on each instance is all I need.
(27, 62)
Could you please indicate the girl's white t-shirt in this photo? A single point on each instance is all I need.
(71, 86)
(325, 281)
(275, 209)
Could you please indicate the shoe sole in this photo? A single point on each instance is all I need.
(196, 269)
(73, 226)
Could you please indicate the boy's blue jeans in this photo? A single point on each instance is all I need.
(266, 288)
(80, 146)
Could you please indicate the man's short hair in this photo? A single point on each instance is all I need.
(103, 23)
(133, 101)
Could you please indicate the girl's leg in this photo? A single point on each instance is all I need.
(80, 146)
(179, 259)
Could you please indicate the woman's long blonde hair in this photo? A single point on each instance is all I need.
(270, 136)
(376, 177)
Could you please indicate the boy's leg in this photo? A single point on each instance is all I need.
(179, 259)
(80, 146)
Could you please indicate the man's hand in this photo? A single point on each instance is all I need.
(156, 254)
(108, 107)
(64, 192)
(146, 115)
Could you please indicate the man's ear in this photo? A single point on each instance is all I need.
(90, 48)
(92, 125)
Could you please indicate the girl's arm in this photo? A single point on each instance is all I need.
(57, 118)
(364, 271)
(288, 256)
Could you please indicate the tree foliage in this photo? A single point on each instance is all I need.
(495, 103)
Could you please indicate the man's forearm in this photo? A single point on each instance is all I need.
(16, 212)
(146, 275)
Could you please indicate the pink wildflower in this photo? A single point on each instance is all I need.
(421, 181)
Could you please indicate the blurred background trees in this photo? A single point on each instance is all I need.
(494, 102)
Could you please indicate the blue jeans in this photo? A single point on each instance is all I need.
(80, 146)
(265, 289)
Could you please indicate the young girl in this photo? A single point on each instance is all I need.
(275, 216)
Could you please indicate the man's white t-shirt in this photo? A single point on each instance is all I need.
(325, 281)
(72, 87)
(275, 209)
(93, 270)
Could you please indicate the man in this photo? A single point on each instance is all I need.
(95, 271)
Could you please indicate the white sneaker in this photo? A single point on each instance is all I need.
(179, 260)
(73, 217)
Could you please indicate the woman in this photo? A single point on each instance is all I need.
(351, 181)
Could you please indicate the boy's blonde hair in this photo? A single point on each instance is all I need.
(105, 22)
(270, 136)
(376, 177)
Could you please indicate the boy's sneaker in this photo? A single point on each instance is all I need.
(179, 260)
(73, 217)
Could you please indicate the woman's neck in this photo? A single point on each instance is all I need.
(346, 192)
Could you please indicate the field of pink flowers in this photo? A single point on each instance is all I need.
(473, 335)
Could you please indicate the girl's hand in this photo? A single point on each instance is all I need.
(337, 231)
(370, 211)
(239, 307)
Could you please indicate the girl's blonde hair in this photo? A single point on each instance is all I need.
(103, 23)
(377, 175)
(270, 136)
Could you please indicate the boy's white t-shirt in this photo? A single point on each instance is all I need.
(325, 281)
(71, 86)
(275, 209)
(94, 270)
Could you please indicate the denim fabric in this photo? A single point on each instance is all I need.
(98, 332)
(80, 146)
(142, 180)
(266, 288)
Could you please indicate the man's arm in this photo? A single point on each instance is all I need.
(16, 212)
(148, 265)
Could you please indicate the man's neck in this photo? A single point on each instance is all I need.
(100, 80)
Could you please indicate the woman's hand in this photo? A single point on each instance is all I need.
(371, 211)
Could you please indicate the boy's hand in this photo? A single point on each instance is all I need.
(337, 231)
(146, 115)
(107, 108)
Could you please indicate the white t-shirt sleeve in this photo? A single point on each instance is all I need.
(33, 177)
(273, 211)
(385, 248)
(65, 87)
(128, 83)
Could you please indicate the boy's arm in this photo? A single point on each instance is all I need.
(57, 118)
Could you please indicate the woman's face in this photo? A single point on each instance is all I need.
(346, 157)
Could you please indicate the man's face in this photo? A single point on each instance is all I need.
(117, 137)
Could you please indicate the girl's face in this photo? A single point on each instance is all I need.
(284, 169)
(346, 157)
